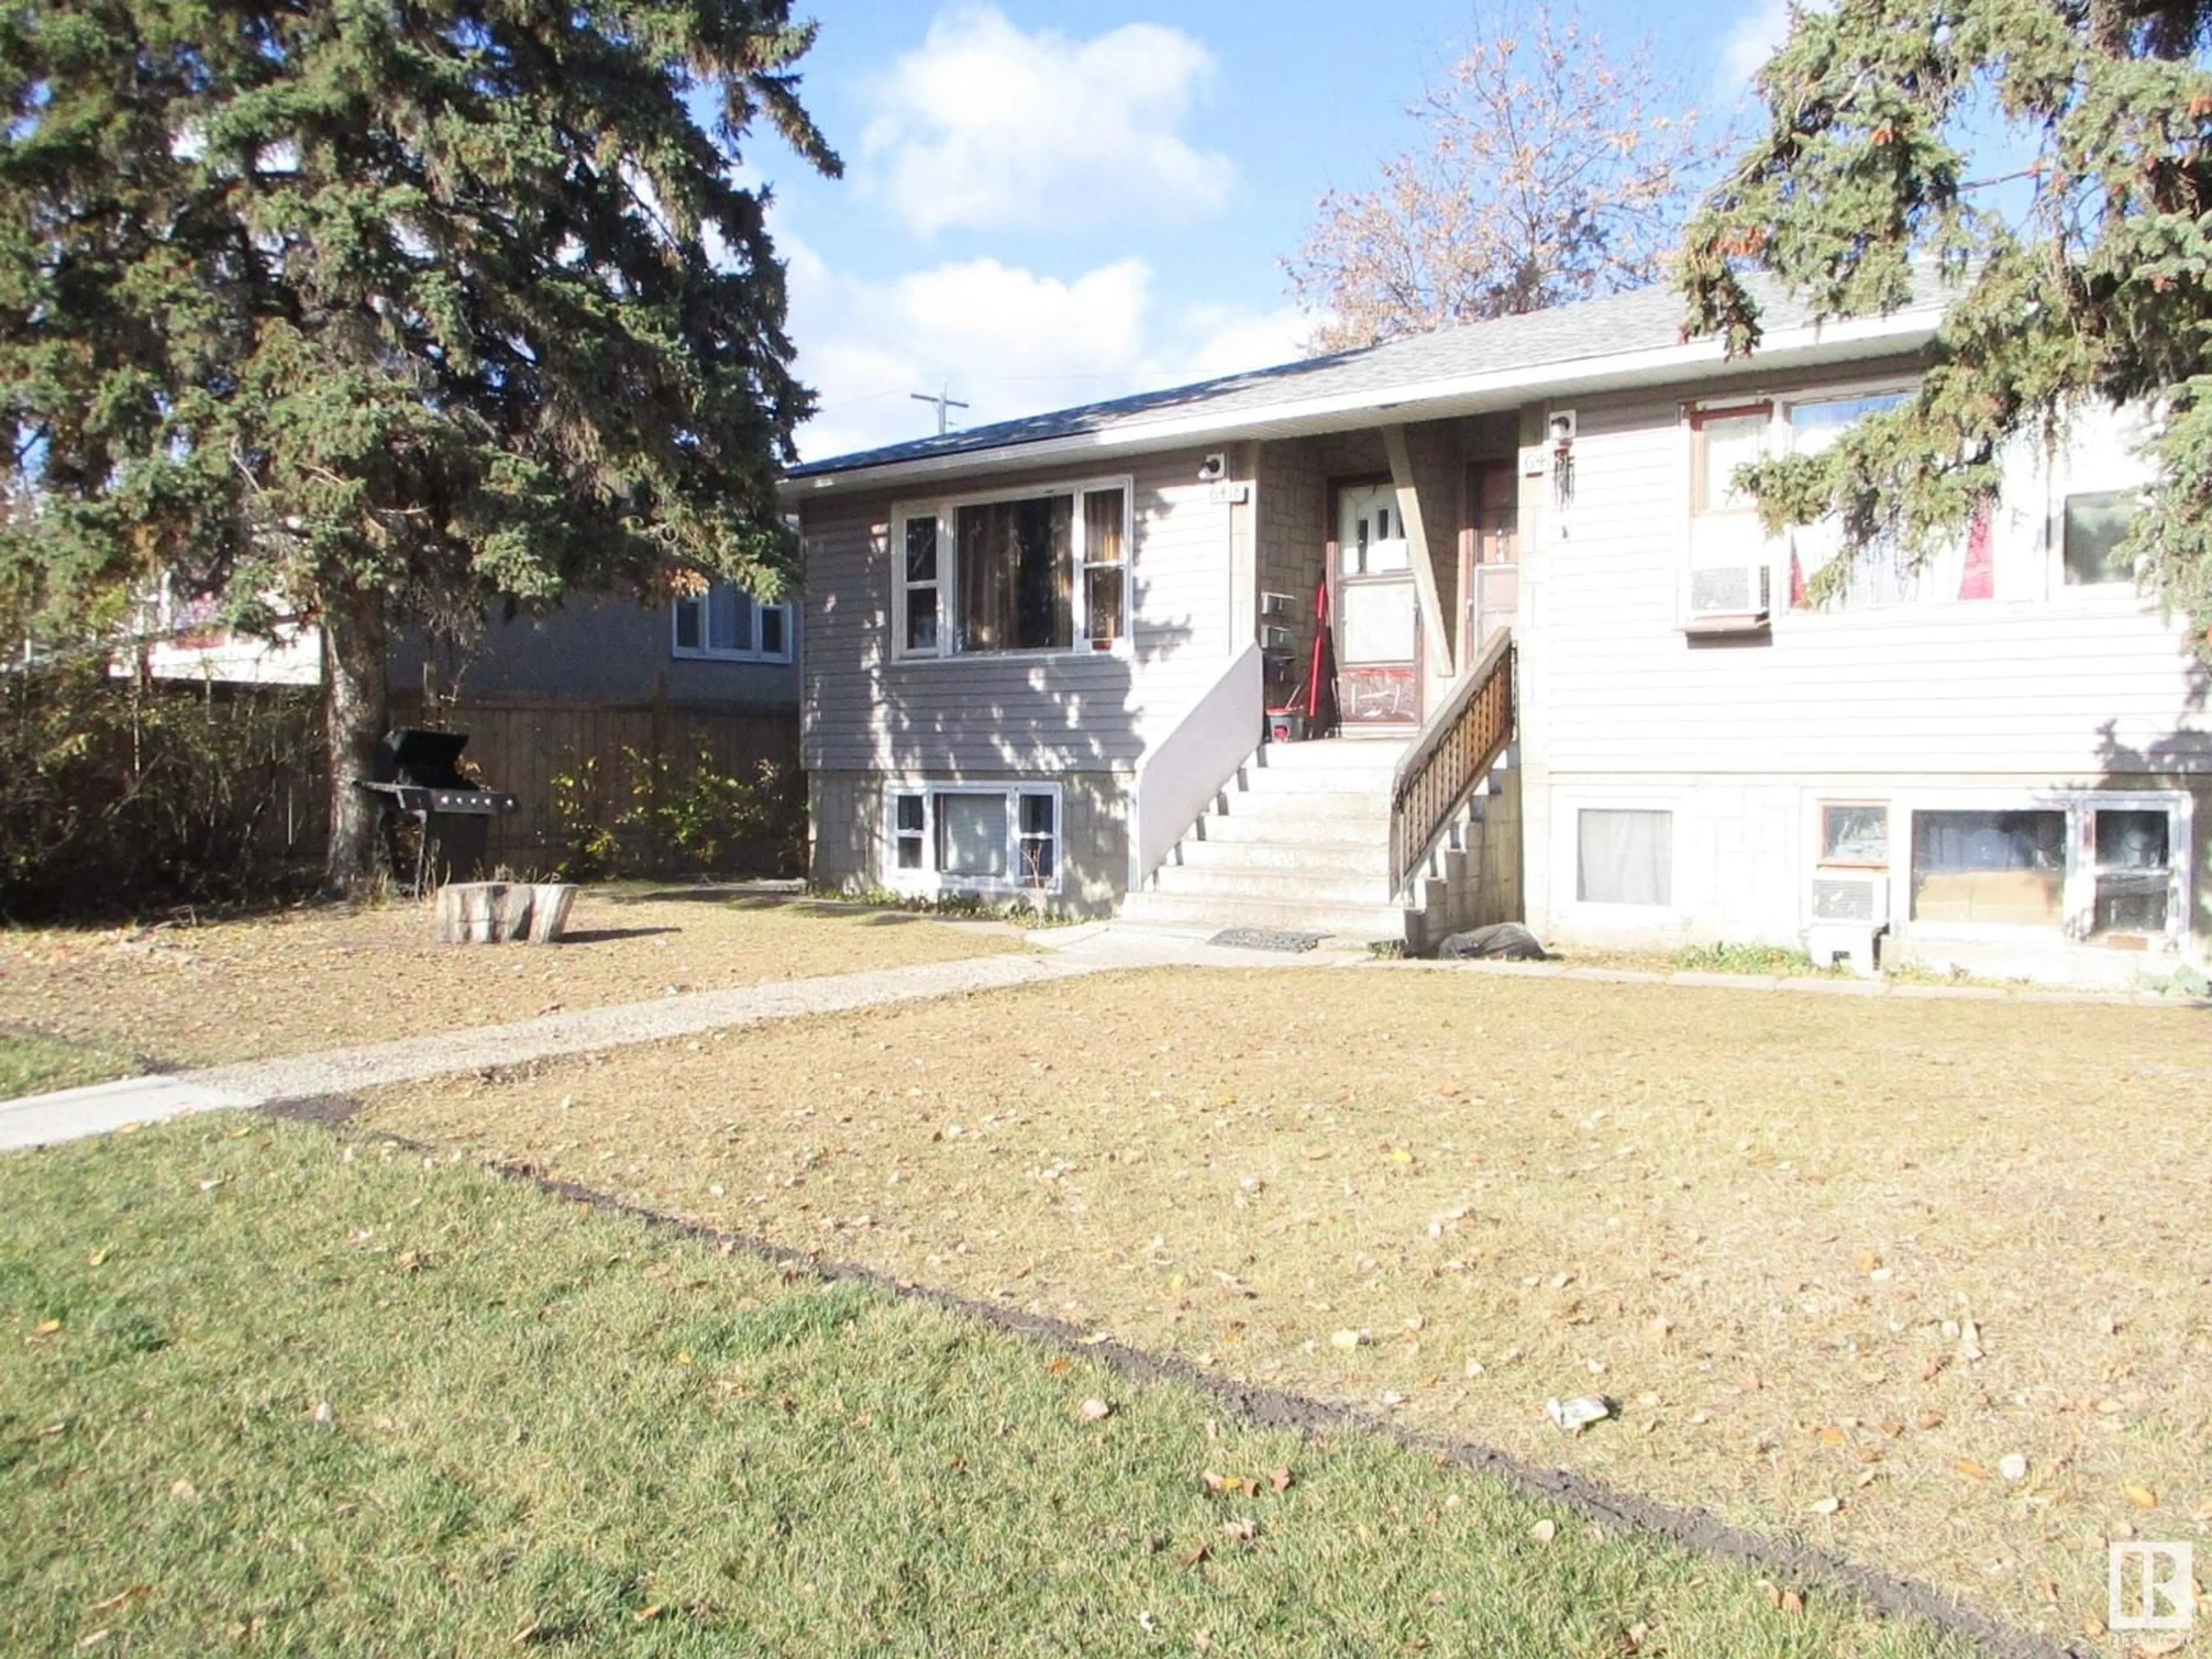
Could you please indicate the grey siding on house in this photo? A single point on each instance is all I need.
(594, 648)
(1080, 711)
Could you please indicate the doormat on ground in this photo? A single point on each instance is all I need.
(1266, 938)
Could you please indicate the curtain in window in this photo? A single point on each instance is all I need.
(971, 834)
(1625, 857)
(1016, 575)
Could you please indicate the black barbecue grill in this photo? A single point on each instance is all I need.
(419, 776)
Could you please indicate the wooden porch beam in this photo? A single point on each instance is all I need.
(1442, 664)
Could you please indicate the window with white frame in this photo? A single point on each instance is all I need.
(1044, 570)
(1730, 552)
(2101, 865)
(724, 622)
(986, 837)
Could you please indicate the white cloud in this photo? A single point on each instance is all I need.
(1007, 341)
(1751, 41)
(984, 126)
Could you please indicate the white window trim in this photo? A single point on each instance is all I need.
(928, 882)
(945, 510)
(2078, 896)
(710, 654)
(1577, 911)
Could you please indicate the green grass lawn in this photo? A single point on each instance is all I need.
(261, 1389)
(31, 1066)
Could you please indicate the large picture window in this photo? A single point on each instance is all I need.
(2099, 865)
(726, 621)
(973, 837)
(1043, 571)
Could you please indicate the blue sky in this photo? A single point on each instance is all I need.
(1046, 203)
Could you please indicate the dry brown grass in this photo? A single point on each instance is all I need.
(298, 980)
(1818, 1249)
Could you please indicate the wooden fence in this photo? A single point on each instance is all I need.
(523, 745)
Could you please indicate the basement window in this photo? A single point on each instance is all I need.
(987, 838)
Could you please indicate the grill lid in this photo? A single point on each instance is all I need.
(428, 759)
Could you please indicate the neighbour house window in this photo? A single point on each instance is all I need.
(1625, 856)
(1041, 572)
(2101, 865)
(987, 836)
(726, 621)
(2093, 528)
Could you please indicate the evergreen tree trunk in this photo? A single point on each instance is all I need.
(355, 644)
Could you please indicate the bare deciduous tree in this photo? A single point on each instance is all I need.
(1550, 173)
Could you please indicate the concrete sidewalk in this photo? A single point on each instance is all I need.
(70, 1114)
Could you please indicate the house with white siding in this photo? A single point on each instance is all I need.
(1475, 626)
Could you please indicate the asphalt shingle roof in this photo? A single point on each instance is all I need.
(1646, 320)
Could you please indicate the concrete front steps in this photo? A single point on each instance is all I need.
(1299, 839)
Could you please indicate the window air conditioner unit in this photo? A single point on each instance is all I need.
(1729, 596)
(1859, 897)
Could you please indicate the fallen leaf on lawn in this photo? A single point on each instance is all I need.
(2142, 1496)
(184, 1493)
(1348, 1341)
(94, 1639)
(1059, 1366)
(1095, 1409)
(1399, 1155)
(1866, 1478)
(1824, 1506)
(408, 1262)
(1792, 1602)
(1970, 1469)
(1198, 1555)
(645, 1613)
(1829, 1435)
(121, 1600)
(1545, 1530)
(1280, 1480)
(1243, 1527)
(47, 1327)
(1930, 1419)
(95, 1258)
(1933, 1368)
(1892, 1427)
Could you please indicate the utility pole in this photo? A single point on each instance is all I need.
(944, 402)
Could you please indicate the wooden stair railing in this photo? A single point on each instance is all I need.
(1452, 754)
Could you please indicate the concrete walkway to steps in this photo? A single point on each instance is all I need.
(1097, 947)
(1062, 953)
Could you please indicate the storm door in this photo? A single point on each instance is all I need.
(1376, 614)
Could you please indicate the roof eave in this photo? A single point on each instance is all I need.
(1806, 346)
